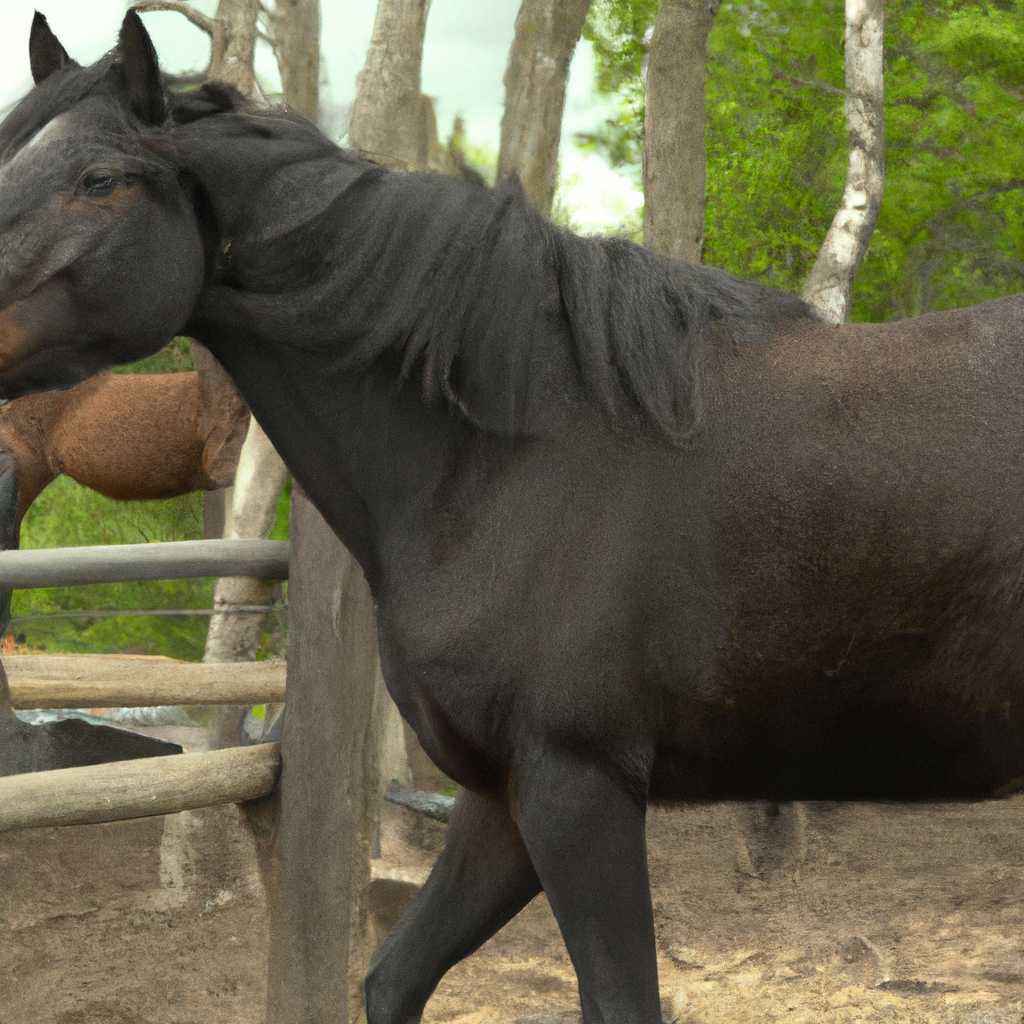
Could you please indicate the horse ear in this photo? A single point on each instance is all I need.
(141, 70)
(45, 54)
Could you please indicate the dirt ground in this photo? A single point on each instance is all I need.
(904, 914)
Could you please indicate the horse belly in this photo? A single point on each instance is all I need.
(908, 717)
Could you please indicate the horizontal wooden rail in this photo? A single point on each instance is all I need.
(131, 563)
(138, 789)
(126, 681)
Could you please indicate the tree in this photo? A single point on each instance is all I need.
(234, 634)
(232, 32)
(293, 29)
(538, 64)
(674, 160)
(828, 285)
(392, 121)
(952, 227)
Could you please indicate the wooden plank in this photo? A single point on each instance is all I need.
(107, 681)
(131, 563)
(138, 789)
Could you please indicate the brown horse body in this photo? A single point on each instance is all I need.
(127, 436)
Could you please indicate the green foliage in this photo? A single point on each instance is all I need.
(67, 515)
(952, 223)
(776, 137)
(618, 30)
(173, 358)
(280, 528)
(951, 230)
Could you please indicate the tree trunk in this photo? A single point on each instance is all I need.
(295, 37)
(538, 64)
(828, 285)
(392, 121)
(259, 478)
(394, 124)
(234, 46)
(674, 158)
(232, 32)
(235, 636)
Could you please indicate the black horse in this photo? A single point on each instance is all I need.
(636, 530)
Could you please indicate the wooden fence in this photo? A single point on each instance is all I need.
(134, 681)
(314, 817)
(131, 789)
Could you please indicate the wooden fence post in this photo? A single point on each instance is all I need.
(316, 857)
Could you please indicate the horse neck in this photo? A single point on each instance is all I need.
(360, 443)
(362, 450)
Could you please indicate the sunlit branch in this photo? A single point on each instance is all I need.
(197, 18)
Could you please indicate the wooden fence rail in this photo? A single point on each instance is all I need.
(315, 837)
(126, 681)
(151, 786)
(132, 563)
(138, 789)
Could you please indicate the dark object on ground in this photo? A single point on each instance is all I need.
(70, 743)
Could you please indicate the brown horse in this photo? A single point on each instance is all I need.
(127, 436)
(62, 744)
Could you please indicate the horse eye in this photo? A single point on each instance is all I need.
(99, 183)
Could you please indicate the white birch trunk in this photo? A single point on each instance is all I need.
(828, 285)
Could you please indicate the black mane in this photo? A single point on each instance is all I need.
(499, 311)
(495, 308)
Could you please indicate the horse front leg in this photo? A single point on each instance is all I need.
(482, 879)
(583, 825)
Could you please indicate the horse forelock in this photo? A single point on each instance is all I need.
(31, 120)
(47, 101)
(63, 90)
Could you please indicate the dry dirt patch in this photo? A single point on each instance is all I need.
(909, 915)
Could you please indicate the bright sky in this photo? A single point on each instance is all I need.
(464, 59)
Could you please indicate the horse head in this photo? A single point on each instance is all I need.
(101, 259)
